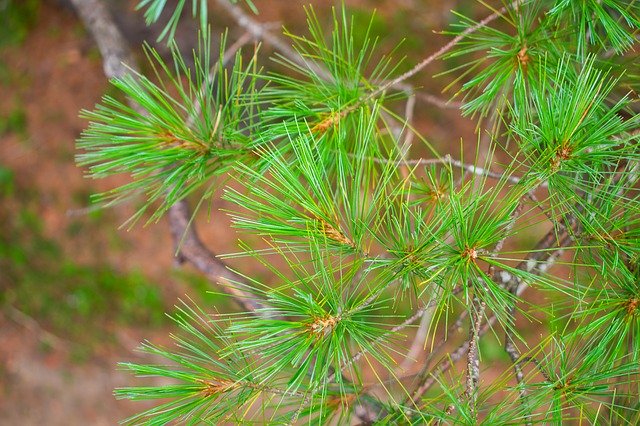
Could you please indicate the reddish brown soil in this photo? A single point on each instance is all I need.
(57, 72)
(54, 75)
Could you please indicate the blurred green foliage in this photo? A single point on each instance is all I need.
(16, 18)
(83, 303)
(14, 122)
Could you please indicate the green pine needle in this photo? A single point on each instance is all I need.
(186, 130)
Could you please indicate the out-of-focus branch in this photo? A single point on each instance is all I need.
(35, 328)
(260, 31)
(119, 61)
(417, 345)
(111, 43)
(438, 102)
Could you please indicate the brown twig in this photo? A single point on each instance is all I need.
(473, 362)
(516, 361)
(444, 49)
(34, 327)
(117, 59)
(190, 248)
(259, 31)
(417, 346)
(437, 102)
(535, 263)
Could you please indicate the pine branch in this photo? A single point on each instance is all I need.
(261, 32)
(118, 62)
(473, 362)
(117, 59)
(332, 192)
(437, 102)
(190, 248)
(539, 261)
(444, 49)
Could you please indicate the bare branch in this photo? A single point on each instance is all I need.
(473, 362)
(417, 346)
(514, 356)
(447, 159)
(437, 102)
(35, 328)
(260, 32)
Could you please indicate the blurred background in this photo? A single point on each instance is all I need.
(78, 294)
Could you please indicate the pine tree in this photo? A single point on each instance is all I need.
(376, 242)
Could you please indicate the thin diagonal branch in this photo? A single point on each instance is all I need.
(444, 49)
(260, 32)
(417, 346)
(437, 102)
(117, 58)
(36, 329)
(190, 248)
(514, 356)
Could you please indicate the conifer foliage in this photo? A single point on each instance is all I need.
(385, 253)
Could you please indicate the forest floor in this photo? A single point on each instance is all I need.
(77, 293)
